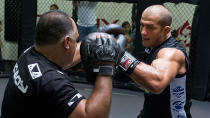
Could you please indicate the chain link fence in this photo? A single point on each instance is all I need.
(182, 22)
(8, 49)
(105, 13)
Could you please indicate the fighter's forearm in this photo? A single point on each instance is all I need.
(147, 77)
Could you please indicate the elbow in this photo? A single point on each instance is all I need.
(156, 90)
(157, 87)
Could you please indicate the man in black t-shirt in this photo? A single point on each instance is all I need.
(38, 87)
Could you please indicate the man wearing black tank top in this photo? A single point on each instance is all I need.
(164, 72)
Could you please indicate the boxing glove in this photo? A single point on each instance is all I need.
(128, 62)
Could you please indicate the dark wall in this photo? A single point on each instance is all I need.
(28, 15)
(200, 53)
(12, 20)
(20, 21)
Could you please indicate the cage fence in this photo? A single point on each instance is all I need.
(104, 13)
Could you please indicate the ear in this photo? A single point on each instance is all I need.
(66, 42)
(167, 29)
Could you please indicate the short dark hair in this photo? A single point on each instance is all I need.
(52, 26)
(166, 17)
(166, 20)
(54, 5)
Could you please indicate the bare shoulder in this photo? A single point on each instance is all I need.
(171, 54)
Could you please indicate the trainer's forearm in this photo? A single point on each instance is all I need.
(99, 101)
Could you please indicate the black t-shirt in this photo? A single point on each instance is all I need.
(38, 88)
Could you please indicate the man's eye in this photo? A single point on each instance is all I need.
(150, 27)
(141, 25)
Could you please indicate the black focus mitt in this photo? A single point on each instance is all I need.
(100, 53)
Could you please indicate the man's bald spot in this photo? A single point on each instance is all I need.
(163, 13)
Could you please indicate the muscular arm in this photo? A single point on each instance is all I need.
(99, 103)
(155, 77)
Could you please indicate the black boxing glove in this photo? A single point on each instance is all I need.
(118, 32)
(122, 41)
(114, 29)
(128, 62)
(100, 55)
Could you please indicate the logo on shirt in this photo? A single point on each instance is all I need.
(60, 72)
(27, 49)
(178, 91)
(178, 106)
(18, 80)
(74, 99)
(34, 70)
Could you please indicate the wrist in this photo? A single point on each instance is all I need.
(128, 62)
(104, 70)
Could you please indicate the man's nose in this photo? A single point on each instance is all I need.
(143, 31)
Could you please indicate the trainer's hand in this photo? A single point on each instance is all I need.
(100, 54)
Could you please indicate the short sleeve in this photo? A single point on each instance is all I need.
(60, 94)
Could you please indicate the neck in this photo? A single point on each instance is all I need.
(163, 40)
(50, 52)
(168, 36)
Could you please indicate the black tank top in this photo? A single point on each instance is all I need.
(174, 101)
